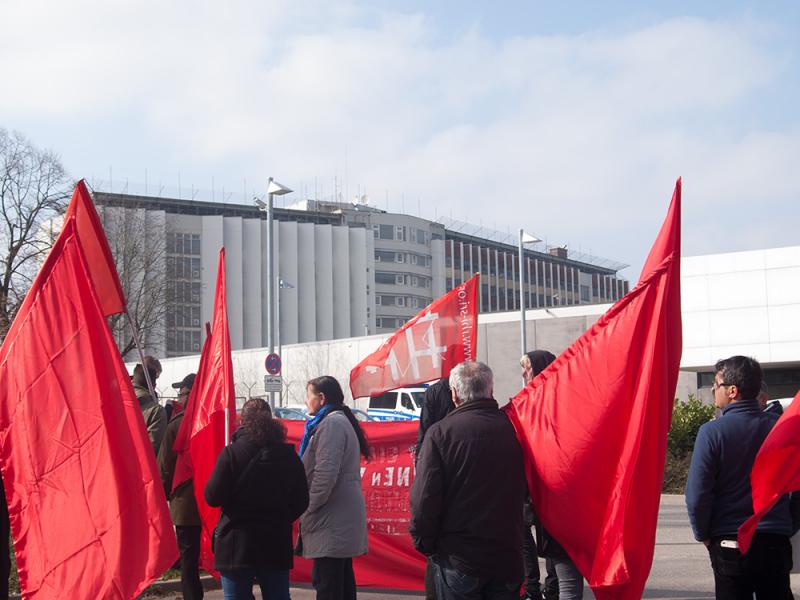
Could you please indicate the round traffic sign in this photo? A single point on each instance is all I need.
(273, 364)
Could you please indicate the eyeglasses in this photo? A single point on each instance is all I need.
(716, 385)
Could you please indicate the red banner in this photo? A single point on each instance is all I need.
(391, 562)
(426, 348)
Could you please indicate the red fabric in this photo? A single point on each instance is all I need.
(202, 431)
(102, 270)
(426, 348)
(88, 513)
(776, 470)
(386, 480)
(593, 427)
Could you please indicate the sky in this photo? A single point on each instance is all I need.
(570, 120)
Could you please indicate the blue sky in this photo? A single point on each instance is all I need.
(572, 120)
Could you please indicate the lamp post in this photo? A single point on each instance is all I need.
(273, 189)
(282, 285)
(524, 238)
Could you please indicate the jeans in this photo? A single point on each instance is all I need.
(764, 570)
(452, 584)
(237, 584)
(189, 546)
(333, 578)
(570, 581)
(550, 580)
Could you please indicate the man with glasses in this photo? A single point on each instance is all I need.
(718, 495)
(182, 505)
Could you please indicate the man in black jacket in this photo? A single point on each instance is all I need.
(466, 499)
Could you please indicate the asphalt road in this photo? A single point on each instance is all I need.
(681, 570)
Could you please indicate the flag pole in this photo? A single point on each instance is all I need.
(150, 385)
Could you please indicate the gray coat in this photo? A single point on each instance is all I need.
(335, 524)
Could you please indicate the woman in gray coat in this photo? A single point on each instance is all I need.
(334, 528)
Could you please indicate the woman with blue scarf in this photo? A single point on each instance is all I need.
(334, 528)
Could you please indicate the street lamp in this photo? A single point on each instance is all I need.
(524, 238)
(282, 285)
(273, 189)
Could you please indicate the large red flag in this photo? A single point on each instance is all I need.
(441, 336)
(202, 431)
(776, 470)
(88, 513)
(593, 427)
(102, 271)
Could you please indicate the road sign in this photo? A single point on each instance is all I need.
(273, 364)
(272, 383)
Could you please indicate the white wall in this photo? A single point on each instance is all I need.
(741, 303)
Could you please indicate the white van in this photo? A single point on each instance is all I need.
(403, 404)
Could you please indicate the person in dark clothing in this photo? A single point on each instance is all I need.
(437, 405)
(182, 503)
(718, 494)
(465, 512)
(261, 486)
(5, 551)
(545, 545)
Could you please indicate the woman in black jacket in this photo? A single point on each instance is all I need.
(261, 486)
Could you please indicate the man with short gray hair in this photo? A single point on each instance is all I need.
(466, 499)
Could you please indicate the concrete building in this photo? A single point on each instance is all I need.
(736, 303)
(351, 269)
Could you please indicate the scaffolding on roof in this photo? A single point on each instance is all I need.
(512, 239)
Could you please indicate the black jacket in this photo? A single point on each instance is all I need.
(255, 527)
(438, 403)
(466, 499)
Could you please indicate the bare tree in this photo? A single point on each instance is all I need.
(137, 241)
(33, 190)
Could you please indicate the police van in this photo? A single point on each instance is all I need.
(403, 404)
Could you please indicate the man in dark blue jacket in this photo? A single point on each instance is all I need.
(718, 495)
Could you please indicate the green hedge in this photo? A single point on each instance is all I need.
(687, 417)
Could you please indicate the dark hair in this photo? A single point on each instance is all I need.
(539, 360)
(334, 396)
(743, 372)
(153, 369)
(260, 426)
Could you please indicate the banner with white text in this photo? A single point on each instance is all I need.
(443, 335)
(392, 562)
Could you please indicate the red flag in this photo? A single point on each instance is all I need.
(102, 271)
(593, 427)
(426, 348)
(203, 425)
(88, 513)
(776, 470)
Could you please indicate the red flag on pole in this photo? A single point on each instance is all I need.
(426, 348)
(87, 509)
(102, 271)
(593, 427)
(776, 470)
(202, 431)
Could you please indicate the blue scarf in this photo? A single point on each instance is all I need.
(311, 426)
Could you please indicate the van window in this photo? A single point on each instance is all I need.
(419, 398)
(407, 403)
(386, 400)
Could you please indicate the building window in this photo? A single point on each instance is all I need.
(584, 293)
(386, 232)
(386, 278)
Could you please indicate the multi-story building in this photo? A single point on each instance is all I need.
(348, 269)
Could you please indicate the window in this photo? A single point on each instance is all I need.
(386, 232)
(407, 402)
(399, 279)
(385, 277)
(584, 293)
(422, 236)
(400, 300)
(385, 401)
(399, 257)
(385, 256)
(400, 233)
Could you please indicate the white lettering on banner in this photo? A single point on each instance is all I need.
(466, 322)
(432, 350)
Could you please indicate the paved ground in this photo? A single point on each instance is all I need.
(680, 568)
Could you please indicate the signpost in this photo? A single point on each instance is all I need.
(272, 380)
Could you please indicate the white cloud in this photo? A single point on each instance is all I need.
(578, 138)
